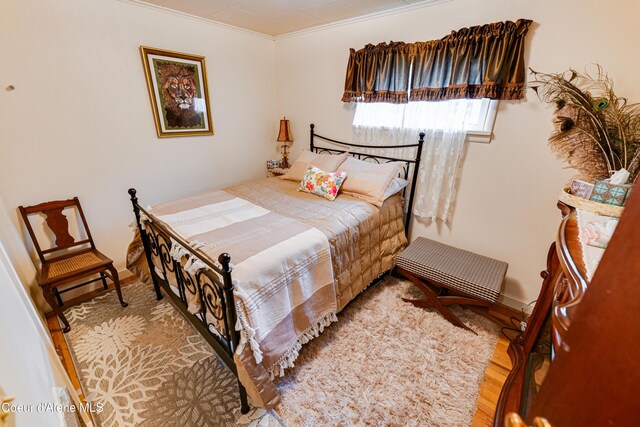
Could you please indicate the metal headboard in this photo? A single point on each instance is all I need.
(410, 170)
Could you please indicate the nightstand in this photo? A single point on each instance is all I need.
(276, 171)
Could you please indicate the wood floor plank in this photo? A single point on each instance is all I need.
(481, 419)
(62, 350)
(494, 378)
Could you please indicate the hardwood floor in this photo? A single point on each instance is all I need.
(494, 376)
(498, 369)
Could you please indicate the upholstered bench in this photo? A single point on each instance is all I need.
(463, 277)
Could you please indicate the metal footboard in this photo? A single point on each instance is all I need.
(215, 318)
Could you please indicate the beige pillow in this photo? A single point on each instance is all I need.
(369, 181)
(325, 162)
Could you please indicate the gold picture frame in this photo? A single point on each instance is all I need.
(177, 84)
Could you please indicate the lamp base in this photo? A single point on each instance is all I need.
(284, 163)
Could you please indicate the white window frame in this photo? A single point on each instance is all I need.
(485, 135)
(481, 131)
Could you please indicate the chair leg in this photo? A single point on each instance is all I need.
(104, 281)
(49, 297)
(56, 293)
(116, 281)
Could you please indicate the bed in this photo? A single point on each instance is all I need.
(259, 269)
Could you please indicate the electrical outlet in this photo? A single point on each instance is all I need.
(523, 325)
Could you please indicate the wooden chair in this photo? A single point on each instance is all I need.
(68, 260)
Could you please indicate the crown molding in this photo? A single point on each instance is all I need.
(363, 18)
(218, 24)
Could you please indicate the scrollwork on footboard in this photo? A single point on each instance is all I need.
(213, 306)
(160, 247)
(200, 292)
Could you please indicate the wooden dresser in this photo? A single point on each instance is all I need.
(564, 285)
(594, 379)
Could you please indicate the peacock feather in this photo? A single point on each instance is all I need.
(596, 131)
(600, 104)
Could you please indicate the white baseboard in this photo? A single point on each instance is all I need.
(513, 302)
(122, 274)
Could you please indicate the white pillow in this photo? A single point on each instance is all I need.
(369, 181)
(325, 162)
(396, 185)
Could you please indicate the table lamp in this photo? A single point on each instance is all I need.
(285, 137)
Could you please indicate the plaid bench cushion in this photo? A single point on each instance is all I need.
(461, 270)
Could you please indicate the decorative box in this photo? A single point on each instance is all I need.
(581, 189)
(610, 194)
(273, 164)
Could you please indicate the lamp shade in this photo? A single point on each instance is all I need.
(285, 131)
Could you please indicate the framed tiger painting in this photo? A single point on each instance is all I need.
(177, 84)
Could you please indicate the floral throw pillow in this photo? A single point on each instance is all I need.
(321, 183)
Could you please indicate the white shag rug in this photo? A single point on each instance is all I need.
(386, 362)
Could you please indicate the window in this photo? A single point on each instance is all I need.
(477, 115)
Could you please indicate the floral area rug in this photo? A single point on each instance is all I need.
(148, 366)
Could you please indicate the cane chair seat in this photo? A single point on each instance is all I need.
(72, 265)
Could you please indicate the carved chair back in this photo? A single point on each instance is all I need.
(58, 224)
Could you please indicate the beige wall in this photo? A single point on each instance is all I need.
(508, 188)
(79, 121)
(19, 257)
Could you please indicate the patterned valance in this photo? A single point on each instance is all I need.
(478, 62)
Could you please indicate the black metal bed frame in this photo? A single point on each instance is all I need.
(379, 159)
(214, 285)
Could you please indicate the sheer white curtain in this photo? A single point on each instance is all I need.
(445, 124)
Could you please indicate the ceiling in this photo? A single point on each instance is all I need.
(276, 17)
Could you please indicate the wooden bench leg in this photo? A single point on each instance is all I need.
(432, 300)
(452, 300)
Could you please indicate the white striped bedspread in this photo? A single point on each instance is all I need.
(282, 273)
